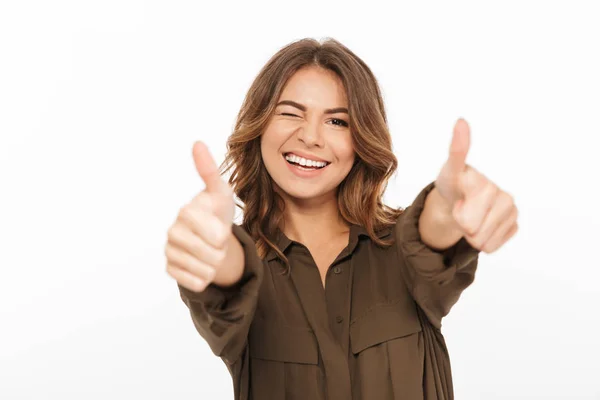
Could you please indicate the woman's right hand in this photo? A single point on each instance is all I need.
(201, 247)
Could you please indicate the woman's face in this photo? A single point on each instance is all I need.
(310, 121)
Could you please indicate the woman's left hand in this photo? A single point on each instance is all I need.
(485, 213)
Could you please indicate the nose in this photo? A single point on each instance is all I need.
(311, 134)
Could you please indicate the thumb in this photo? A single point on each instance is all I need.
(206, 167)
(459, 147)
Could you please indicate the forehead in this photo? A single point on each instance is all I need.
(317, 87)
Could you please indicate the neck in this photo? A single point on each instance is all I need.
(313, 220)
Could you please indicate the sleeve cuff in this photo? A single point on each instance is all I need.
(431, 263)
(223, 316)
(215, 296)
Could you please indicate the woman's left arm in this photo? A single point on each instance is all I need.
(441, 234)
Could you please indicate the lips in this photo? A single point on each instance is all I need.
(304, 173)
(291, 152)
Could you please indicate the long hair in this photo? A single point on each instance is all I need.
(359, 195)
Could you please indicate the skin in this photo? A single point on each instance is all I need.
(311, 211)
(466, 203)
(202, 249)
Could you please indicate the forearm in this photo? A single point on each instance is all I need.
(437, 227)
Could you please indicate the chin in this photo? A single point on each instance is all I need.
(300, 194)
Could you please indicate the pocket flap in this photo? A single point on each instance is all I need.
(276, 342)
(380, 324)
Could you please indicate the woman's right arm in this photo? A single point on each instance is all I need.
(223, 314)
(215, 263)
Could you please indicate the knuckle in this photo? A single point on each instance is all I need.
(197, 285)
(470, 228)
(221, 236)
(211, 273)
(511, 217)
(475, 244)
(487, 249)
(201, 256)
(493, 189)
(169, 252)
(182, 212)
(478, 243)
(482, 243)
(185, 214)
(202, 201)
(220, 257)
(190, 219)
(171, 233)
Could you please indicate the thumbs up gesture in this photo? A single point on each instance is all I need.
(201, 247)
(486, 214)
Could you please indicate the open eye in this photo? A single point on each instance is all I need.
(339, 122)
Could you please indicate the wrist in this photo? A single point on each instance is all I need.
(437, 226)
(442, 211)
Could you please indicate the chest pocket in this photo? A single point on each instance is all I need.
(277, 342)
(382, 323)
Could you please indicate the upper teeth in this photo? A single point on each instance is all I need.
(304, 162)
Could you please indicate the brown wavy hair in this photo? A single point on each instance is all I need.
(360, 193)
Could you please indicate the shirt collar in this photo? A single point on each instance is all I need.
(356, 232)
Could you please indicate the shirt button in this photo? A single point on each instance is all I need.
(337, 270)
(339, 319)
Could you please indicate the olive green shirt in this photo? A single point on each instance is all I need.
(373, 331)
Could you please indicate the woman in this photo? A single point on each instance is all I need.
(324, 292)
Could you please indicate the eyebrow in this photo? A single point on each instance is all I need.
(303, 108)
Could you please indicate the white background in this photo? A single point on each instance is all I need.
(101, 102)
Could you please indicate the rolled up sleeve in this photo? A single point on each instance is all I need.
(223, 316)
(435, 278)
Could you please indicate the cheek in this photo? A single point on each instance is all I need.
(344, 151)
(277, 133)
(283, 126)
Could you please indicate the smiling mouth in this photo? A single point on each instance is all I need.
(303, 166)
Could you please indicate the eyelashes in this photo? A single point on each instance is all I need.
(341, 122)
(334, 121)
